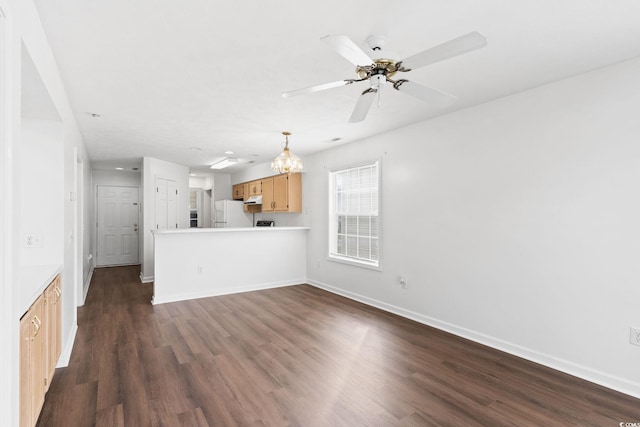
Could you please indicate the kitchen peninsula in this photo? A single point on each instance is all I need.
(196, 263)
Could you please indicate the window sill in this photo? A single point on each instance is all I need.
(354, 263)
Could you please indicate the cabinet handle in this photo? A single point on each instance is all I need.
(36, 323)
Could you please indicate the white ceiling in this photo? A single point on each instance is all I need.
(186, 80)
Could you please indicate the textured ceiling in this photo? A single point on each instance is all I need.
(185, 81)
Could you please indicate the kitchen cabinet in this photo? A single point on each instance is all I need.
(282, 193)
(238, 192)
(255, 188)
(32, 387)
(245, 190)
(40, 346)
(267, 195)
(52, 329)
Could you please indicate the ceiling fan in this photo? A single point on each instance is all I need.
(379, 69)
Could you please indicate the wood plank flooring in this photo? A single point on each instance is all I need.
(297, 356)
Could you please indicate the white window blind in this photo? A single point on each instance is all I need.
(355, 222)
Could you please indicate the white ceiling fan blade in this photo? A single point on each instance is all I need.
(455, 47)
(347, 49)
(425, 93)
(363, 105)
(317, 88)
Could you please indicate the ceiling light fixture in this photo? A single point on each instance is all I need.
(287, 162)
(227, 161)
(228, 152)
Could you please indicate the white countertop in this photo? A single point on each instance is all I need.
(33, 281)
(225, 230)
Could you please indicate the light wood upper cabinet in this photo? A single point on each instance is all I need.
(282, 193)
(255, 188)
(238, 192)
(267, 195)
(245, 190)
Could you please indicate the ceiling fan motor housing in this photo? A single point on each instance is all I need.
(386, 67)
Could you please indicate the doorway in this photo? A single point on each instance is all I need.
(117, 227)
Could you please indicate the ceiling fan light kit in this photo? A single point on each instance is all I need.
(287, 162)
(380, 70)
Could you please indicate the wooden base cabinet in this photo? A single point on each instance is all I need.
(32, 364)
(40, 346)
(52, 329)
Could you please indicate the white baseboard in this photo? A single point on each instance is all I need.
(615, 383)
(225, 291)
(86, 285)
(65, 355)
(147, 279)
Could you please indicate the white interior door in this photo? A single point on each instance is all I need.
(172, 204)
(118, 217)
(161, 204)
(166, 204)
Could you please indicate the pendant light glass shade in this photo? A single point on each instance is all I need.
(287, 162)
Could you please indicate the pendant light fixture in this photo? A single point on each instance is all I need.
(287, 162)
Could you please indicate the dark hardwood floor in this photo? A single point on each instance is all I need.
(297, 356)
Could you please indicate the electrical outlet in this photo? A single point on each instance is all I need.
(403, 281)
(634, 337)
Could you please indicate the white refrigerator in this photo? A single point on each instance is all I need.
(230, 213)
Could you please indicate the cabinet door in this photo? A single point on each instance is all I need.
(37, 356)
(294, 192)
(51, 330)
(245, 191)
(32, 364)
(281, 193)
(58, 342)
(26, 417)
(255, 188)
(238, 193)
(267, 195)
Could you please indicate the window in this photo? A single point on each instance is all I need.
(354, 218)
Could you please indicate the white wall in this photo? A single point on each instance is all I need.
(88, 237)
(41, 191)
(9, 128)
(204, 182)
(222, 186)
(516, 223)
(115, 178)
(214, 262)
(152, 169)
